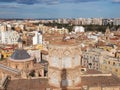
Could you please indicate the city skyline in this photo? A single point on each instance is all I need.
(59, 8)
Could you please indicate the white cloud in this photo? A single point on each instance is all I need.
(116, 0)
(9, 6)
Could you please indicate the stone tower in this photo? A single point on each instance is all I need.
(64, 64)
(107, 33)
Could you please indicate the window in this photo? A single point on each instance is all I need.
(27, 65)
(90, 57)
(82, 70)
(76, 61)
(16, 66)
(108, 62)
(65, 82)
(113, 63)
(105, 67)
(104, 61)
(54, 78)
(116, 70)
(87, 61)
(90, 65)
(55, 61)
(66, 62)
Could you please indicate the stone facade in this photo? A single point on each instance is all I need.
(111, 65)
(64, 60)
(20, 64)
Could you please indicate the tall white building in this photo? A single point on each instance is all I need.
(36, 54)
(3, 27)
(37, 39)
(79, 29)
(116, 21)
(8, 37)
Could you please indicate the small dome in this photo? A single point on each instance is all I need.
(20, 54)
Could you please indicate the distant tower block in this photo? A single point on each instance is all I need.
(64, 64)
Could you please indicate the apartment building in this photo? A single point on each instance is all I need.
(37, 39)
(9, 37)
(91, 59)
(111, 65)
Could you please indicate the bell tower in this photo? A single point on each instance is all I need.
(107, 33)
(20, 43)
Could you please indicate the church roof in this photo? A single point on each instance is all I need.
(20, 54)
(19, 39)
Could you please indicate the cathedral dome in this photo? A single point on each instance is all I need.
(20, 54)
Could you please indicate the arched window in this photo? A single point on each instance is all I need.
(16, 66)
(55, 61)
(66, 62)
(77, 60)
(27, 65)
(108, 62)
(54, 78)
(113, 63)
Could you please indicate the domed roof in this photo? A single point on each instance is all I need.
(20, 54)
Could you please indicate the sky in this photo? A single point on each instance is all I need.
(59, 9)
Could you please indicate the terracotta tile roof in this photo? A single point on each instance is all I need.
(44, 52)
(28, 84)
(101, 81)
(92, 71)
